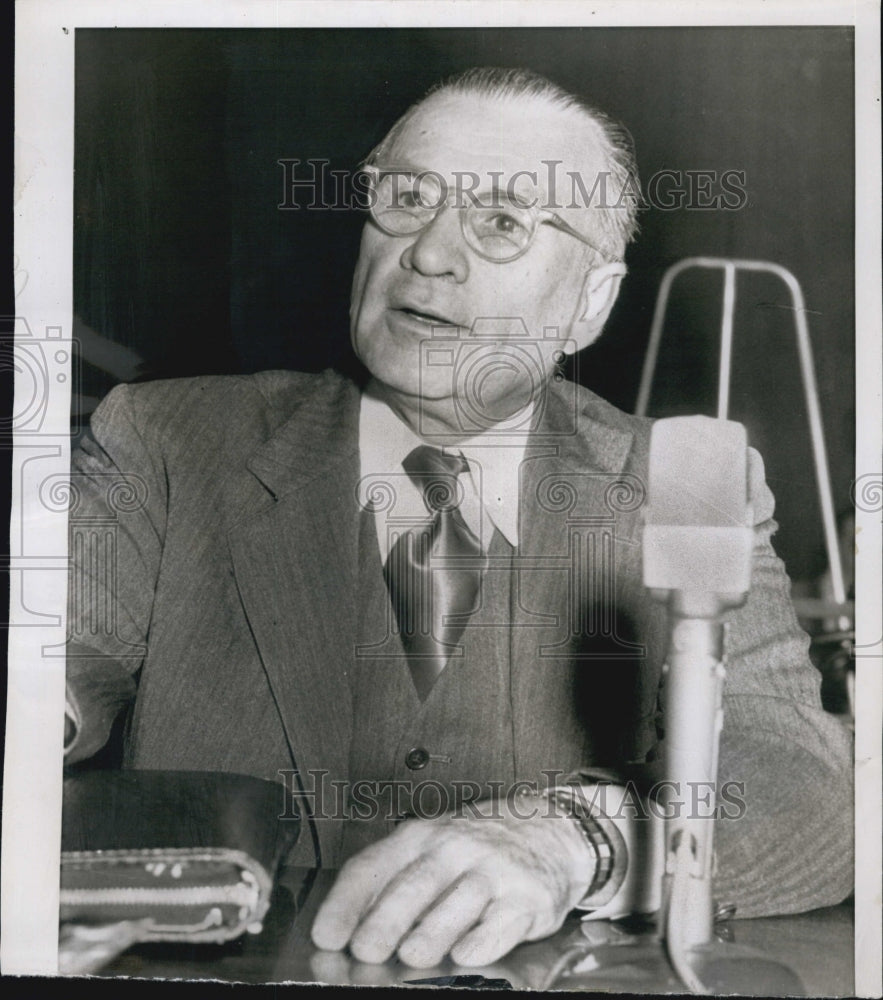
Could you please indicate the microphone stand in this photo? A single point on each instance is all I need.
(693, 704)
(693, 693)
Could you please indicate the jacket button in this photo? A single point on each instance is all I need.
(417, 758)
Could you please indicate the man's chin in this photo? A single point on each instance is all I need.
(410, 385)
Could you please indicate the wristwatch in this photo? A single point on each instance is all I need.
(603, 838)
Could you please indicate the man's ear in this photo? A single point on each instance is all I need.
(598, 294)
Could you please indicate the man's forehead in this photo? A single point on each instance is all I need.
(532, 149)
(451, 133)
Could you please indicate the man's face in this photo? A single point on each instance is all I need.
(407, 289)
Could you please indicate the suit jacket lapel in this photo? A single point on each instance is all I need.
(295, 561)
(574, 473)
(575, 493)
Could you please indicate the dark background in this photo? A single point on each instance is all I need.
(182, 256)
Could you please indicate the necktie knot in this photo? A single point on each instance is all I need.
(435, 473)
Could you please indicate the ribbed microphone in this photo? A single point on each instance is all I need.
(697, 546)
(697, 523)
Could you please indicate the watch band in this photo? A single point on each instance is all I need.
(602, 836)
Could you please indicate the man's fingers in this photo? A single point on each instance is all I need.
(446, 922)
(330, 967)
(430, 889)
(496, 935)
(358, 884)
(399, 907)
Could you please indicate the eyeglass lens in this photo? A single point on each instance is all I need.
(495, 226)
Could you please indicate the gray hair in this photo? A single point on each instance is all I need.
(618, 219)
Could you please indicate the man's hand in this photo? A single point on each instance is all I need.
(472, 886)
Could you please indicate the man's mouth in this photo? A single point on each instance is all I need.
(430, 319)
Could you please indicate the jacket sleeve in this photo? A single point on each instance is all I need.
(786, 841)
(117, 525)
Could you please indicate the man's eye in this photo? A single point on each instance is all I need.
(396, 193)
(503, 223)
(411, 199)
(500, 226)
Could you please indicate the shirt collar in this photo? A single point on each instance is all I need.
(494, 458)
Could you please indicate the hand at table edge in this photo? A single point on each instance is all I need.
(473, 885)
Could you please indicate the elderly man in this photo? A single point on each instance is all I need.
(425, 594)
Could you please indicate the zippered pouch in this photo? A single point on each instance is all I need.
(175, 855)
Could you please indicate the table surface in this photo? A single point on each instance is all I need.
(817, 946)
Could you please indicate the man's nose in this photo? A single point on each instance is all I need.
(439, 250)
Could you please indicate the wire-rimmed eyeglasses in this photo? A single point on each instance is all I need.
(496, 225)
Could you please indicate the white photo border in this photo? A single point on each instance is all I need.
(44, 116)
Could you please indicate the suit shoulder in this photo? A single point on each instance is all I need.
(285, 391)
(277, 392)
(607, 413)
(244, 407)
(604, 413)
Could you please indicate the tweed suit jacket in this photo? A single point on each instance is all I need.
(231, 590)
